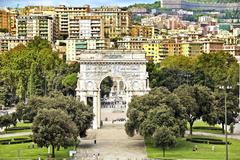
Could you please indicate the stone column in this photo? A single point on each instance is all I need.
(95, 112)
(99, 108)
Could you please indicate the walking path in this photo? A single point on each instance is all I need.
(234, 136)
(15, 134)
(112, 143)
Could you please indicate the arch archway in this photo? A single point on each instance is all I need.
(130, 66)
(113, 100)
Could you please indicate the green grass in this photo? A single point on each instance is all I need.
(183, 150)
(200, 123)
(21, 124)
(8, 152)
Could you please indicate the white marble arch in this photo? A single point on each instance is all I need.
(96, 65)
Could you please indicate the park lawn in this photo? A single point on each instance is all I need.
(21, 124)
(11, 151)
(183, 150)
(204, 125)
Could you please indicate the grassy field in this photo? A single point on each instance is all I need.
(183, 150)
(204, 125)
(10, 151)
(21, 124)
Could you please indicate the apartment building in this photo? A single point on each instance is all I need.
(37, 25)
(156, 50)
(117, 21)
(191, 48)
(212, 46)
(65, 13)
(8, 20)
(9, 42)
(88, 26)
(132, 43)
(74, 47)
(143, 31)
(232, 49)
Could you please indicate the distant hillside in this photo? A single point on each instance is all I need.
(149, 6)
(219, 1)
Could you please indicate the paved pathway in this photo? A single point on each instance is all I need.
(15, 134)
(234, 136)
(112, 144)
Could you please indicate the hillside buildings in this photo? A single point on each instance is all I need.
(36, 25)
(71, 30)
(66, 13)
(117, 21)
(183, 4)
(88, 26)
(8, 20)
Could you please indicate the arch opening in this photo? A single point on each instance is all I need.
(113, 100)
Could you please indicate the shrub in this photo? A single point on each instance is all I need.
(207, 128)
(5, 140)
(4, 143)
(206, 140)
(18, 128)
(19, 139)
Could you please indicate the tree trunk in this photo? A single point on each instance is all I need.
(191, 126)
(53, 151)
(163, 152)
(58, 147)
(222, 128)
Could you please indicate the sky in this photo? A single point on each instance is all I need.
(92, 3)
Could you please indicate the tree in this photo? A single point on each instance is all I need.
(29, 111)
(157, 109)
(221, 67)
(60, 129)
(8, 120)
(70, 83)
(218, 115)
(80, 113)
(164, 138)
(33, 70)
(197, 100)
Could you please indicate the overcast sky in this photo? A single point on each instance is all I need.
(93, 3)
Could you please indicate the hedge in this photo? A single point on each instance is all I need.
(23, 138)
(5, 140)
(4, 143)
(16, 140)
(207, 128)
(21, 141)
(206, 141)
(18, 128)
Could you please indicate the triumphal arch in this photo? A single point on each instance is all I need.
(128, 67)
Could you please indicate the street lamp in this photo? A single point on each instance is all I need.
(225, 88)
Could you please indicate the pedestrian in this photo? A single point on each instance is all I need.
(196, 148)
(213, 148)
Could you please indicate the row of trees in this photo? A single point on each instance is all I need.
(63, 118)
(34, 70)
(210, 70)
(184, 89)
(162, 114)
